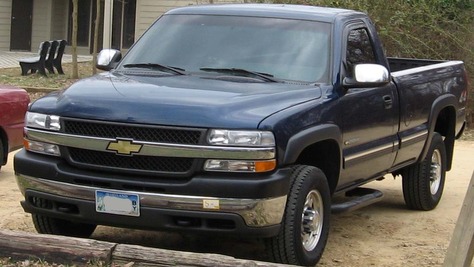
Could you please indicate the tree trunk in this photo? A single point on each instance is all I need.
(75, 73)
(96, 37)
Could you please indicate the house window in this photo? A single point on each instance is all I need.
(123, 27)
(129, 24)
(83, 22)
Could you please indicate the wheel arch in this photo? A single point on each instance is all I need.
(442, 120)
(318, 146)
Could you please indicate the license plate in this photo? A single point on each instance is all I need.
(117, 203)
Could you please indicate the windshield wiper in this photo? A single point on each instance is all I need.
(160, 67)
(235, 71)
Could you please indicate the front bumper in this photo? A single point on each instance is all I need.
(255, 213)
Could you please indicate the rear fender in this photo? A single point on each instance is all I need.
(448, 102)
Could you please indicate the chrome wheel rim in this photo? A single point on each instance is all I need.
(312, 220)
(435, 172)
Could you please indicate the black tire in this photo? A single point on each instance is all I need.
(305, 227)
(54, 226)
(423, 182)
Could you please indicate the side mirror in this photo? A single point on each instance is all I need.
(367, 75)
(108, 59)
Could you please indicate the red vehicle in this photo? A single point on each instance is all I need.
(13, 104)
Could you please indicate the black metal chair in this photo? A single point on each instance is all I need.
(59, 56)
(35, 63)
(51, 55)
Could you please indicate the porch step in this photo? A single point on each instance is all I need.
(357, 198)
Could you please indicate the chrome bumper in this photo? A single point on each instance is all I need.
(255, 212)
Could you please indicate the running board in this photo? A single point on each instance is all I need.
(356, 199)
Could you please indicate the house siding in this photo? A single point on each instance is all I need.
(5, 23)
(60, 22)
(42, 16)
(149, 10)
(50, 18)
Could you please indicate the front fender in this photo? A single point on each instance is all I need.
(298, 142)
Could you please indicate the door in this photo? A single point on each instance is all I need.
(21, 25)
(369, 118)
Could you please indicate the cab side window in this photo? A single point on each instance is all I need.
(359, 48)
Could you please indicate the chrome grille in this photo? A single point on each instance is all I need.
(159, 166)
(135, 132)
(138, 163)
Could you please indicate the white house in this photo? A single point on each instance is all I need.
(26, 23)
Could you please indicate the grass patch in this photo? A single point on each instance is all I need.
(12, 76)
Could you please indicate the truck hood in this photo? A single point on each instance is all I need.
(175, 100)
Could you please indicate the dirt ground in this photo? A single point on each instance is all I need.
(383, 234)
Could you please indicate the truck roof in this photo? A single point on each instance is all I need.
(324, 14)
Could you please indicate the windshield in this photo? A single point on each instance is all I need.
(283, 48)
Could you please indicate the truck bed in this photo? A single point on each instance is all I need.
(398, 64)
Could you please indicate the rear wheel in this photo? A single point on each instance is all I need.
(54, 226)
(305, 225)
(423, 182)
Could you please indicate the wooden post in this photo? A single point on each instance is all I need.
(461, 247)
(108, 17)
(83, 252)
(54, 249)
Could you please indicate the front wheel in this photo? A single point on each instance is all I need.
(305, 225)
(423, 182)
(53, 226)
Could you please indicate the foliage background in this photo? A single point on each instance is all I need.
(429, 29)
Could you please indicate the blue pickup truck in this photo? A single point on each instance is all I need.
(241, 119)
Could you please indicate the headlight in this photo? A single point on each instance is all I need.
(42, 148)
(241, 138)
(42, 121)
(45, 122)
(256, 166)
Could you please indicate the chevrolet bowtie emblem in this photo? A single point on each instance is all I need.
(124, 147)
